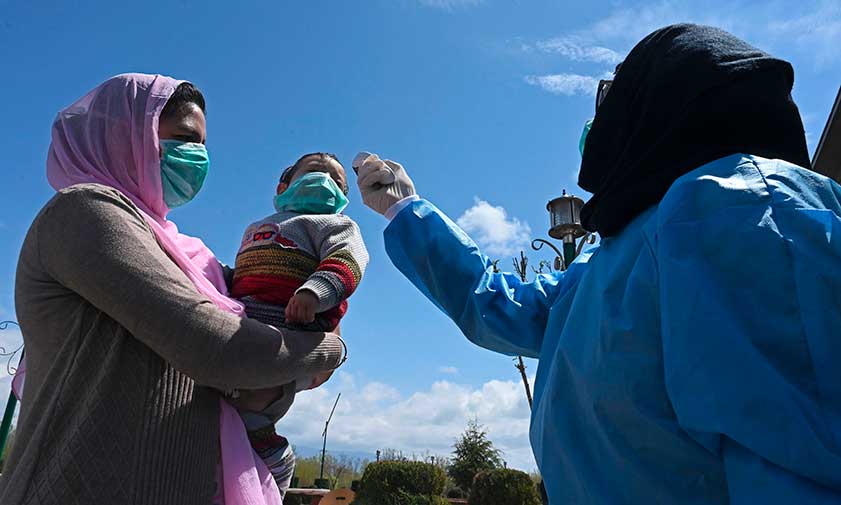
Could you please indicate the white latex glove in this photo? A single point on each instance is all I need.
(381, 182)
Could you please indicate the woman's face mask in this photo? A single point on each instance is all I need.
(583, 141)
(312, 193)
(184, 167)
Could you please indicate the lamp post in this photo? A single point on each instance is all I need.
(565, 225)
(11, 403)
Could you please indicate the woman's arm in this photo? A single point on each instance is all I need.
(494, 310)
(257, 400)
(94, 242)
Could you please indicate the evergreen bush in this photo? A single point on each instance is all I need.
(401, 483)
(503, 486)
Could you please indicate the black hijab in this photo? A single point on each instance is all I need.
(686, 95)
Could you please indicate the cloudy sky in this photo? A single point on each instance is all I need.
(483, 101)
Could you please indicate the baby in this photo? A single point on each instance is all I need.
(296, 269)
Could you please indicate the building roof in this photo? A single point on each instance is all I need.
(827, 160)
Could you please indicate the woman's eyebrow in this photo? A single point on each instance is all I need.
(189, 132)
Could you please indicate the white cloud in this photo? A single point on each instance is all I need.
(812, 28)
(608, 40)
(565, 84)
(450, 4)
(818, 31)
(810, 124)
(493, 230)
(424, 422)
(575, 49)
(623, 28)
(448, 370)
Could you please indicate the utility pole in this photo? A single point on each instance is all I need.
(324, 435)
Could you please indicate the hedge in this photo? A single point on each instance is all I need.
(401, 483)
(503, 486)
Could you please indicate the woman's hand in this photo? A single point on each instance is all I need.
(381, 182)
(258, 400)
(301, 308)
(321, 379)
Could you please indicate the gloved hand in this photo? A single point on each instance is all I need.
(381, 182)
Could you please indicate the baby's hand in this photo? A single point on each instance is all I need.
(301, 308)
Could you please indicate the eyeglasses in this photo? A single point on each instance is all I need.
(604, 87)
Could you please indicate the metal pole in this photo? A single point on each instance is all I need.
(324, 435)
(323, 452)
(569, 252)
(6, 425)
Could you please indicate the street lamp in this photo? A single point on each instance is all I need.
(565, 225)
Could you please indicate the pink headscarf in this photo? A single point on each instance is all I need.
(110, 137)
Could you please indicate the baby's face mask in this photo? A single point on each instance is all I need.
(312, 193)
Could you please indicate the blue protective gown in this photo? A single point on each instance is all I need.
(695, 358)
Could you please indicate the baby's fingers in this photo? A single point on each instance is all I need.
(291, 315)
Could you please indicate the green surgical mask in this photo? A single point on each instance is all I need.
(313, 193)
(583, 141)
(184, 167)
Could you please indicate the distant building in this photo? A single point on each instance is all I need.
(827, 160)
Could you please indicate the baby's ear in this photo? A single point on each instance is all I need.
(281, 187)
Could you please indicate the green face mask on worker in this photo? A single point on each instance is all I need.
(184, 167)
(583, 141)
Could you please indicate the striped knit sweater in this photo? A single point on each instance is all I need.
(288, 252)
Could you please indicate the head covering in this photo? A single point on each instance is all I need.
(110, 137)
(686, 95)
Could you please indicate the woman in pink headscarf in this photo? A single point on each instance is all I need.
(129, 333)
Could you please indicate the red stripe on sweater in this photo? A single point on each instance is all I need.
(336, 314)
(266, 288)
(341, 270)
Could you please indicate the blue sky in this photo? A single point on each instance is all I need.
(483, 102)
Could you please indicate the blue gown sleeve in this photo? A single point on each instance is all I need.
(750, 283)
(494, 310)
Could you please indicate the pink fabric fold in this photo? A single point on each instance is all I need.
(110, 137)
(239, 474)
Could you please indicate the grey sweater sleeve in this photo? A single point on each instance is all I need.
(343, 259)
(95, 242)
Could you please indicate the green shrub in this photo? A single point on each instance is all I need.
(401, 498)
(503, 487)
(455, 492)
(401, 483)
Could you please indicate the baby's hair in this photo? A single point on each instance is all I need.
(185, 94)
(286, 176)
